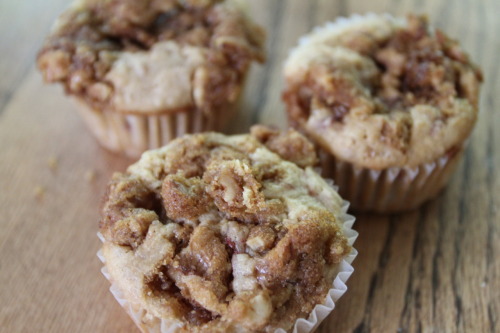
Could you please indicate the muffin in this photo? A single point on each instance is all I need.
(215, 233)
(390, 103)
(146, 71)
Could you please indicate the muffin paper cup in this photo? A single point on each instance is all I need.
(148, 324)
(133, 134)
(393, 189)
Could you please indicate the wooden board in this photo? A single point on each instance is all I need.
(436, 269)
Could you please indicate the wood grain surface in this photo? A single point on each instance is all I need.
(436, 269)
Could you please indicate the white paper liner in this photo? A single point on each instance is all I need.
(393, 189)
(302, 325)
(133, 134)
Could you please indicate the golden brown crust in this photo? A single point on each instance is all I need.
(381, 93)
(184, 198)
(290, 144)
(99, 49)
(128, 211)
(239, 240)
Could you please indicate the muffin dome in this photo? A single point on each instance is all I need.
(148, 56)
(380, 92)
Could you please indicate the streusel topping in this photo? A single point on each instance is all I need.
(221, 233)
(151, 55)
(379, 92)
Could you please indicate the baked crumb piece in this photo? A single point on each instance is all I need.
(39, 192)
(90, 176)
(223, 234)
(53, 163)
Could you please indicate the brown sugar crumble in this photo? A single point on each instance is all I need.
(223, 233)
(413, 67)
(419, 68)
(380, 88)
(90, 37)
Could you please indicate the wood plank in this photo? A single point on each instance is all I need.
(433, 270)
(23, 25)
(49, 270)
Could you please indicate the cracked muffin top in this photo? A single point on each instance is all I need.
(217, 233)
(380, 92)
(147, 56)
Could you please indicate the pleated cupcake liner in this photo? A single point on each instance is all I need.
(393, 189)
(132, 134)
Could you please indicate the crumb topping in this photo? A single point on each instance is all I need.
(225, 233)
(129, 54)
(380, 93)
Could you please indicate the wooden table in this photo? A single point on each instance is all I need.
(436, 269)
